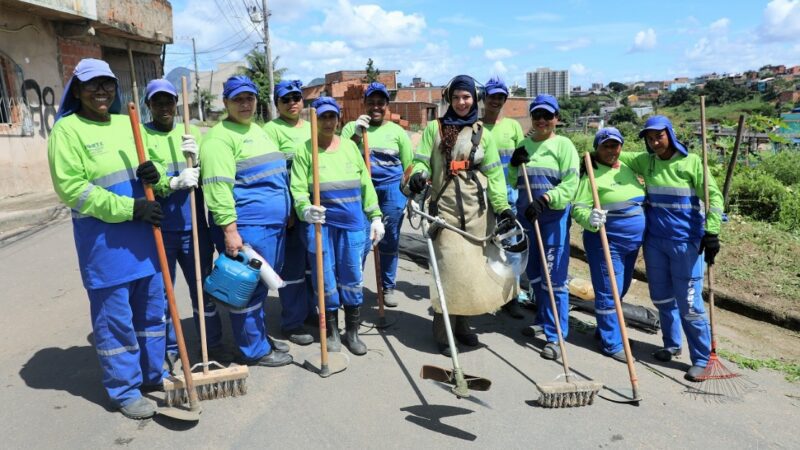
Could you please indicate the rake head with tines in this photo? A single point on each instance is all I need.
(720, 384)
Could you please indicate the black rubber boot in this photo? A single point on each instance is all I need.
(463, 332)
(332, 327)
(440, 334)
(352, 320)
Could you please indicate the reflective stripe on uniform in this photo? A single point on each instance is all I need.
(118, 350)
(246, 310)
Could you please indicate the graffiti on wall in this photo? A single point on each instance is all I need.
(41, 106)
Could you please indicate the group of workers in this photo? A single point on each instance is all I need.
(258, 182)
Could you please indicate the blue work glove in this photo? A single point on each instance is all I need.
(710, 245)
(148, 173)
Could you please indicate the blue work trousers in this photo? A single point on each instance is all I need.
(623, 259)
(129, 336)
(392, 203)
(342, 251)
(247, 323)
(556, 248)
(178, 246)
(675, 277)
(297, 298)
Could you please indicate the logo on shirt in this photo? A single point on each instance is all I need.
(95, 148)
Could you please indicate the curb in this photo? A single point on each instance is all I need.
(16, 224)
(725, 300)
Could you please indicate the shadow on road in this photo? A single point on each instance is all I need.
(74, 370)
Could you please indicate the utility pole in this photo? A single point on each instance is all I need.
(265, 13)
(197, 84)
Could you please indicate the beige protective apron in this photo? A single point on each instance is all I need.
(470, 286)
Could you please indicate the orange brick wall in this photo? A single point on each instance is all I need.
(71, 51)
(413, 112)
(516, 107)
(430, 95)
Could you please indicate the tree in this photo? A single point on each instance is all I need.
(256, 70)
(206, 97)
(719, 92)
(617, 87)
(623, 114)
(679, 97)
(372, 72)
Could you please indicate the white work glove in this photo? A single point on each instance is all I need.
(187, 179)
(376, 231)
(314, 214)
(362, 123)
(597, 217)
(189, 147)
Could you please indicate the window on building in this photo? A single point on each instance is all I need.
(11, 104)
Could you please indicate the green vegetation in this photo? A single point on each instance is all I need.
(789, 369)
(256, 70)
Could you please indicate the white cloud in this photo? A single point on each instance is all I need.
(498, 53)
(566, 46)
(476, 41)
(720, 25)
(781, 21)
(462, 20)
(499, 68)
(370, 26)
(327, 50)
(644, 40)
(578, 69)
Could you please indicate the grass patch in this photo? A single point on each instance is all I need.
(790, 370)
(728, 112)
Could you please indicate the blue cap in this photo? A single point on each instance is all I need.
(287, 87)
(237, 84)
(607, 134)
(159, 85)
(546, 102)
(86, 69)
(496, 86)
(662, 123)
(376, 87)
(325, 104)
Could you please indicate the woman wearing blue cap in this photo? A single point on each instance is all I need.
(290, 133)
(552, 170)
(508, 135)
(168, 143)
(621, 199)
(90, 151)
(247, 193)
(677, 234)
(390, 155)
(347, 196)
(462, 162)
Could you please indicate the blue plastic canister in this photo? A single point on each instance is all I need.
(233, 280)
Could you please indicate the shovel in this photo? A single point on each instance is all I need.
(328, 363)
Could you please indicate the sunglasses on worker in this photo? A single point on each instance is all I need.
(539, 114)
(95, 84)
(294, 98)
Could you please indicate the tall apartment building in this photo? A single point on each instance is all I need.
(546, 81)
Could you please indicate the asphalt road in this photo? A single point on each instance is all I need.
(51, 395)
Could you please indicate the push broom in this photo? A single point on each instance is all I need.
(559, 394)
(193, 413)
(720, 381)
(220, 382)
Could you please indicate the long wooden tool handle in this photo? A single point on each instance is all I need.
(612, 278)
(707, 199)
(323, 339)
(194, 402)
(546, 276)
(375, 251)
(198, 276)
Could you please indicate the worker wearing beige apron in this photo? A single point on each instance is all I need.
(467, 191)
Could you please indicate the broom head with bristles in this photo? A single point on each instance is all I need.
(569, 394)
(217, 383)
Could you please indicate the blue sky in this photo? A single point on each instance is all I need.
(598, 41)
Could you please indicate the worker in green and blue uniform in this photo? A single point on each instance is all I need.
(347, 197)
(552, 170)
(245, 184)
(621, 210)
(390, 154)
(508, 135)
(91, 152)
(290, 133)
(168, 143)
(678, 233)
